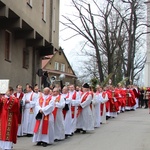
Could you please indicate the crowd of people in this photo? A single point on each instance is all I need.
(55, 114)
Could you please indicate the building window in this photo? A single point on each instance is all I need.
(7, 45)
(29, 2)
(56, 67)
(44, 10)
(62, 68)
(25, 58)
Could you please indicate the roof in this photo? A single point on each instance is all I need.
(46, 60)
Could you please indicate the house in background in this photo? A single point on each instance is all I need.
(29, 30)
(56, 65)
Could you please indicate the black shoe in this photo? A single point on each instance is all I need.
(44, 144)
(39, 143)
(56, 140)
(29, 135)
(107, 117)
(72, 134)
(77, 131)
(83, 132)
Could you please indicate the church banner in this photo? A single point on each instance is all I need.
(4, 84)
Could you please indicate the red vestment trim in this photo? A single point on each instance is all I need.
(31, 109)
(73, 107)
(102, 105)
(9, 119)
(55, 109)
(83, 100)
(45, 118)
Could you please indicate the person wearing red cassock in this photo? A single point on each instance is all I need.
(114, 102)
(19, 94)
(136, 94)
(9, 111)
(130, 99)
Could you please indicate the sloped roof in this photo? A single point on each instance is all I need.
(46, 60)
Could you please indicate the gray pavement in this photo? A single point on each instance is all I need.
(129, 131)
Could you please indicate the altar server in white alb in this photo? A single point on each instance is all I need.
(75, 101)
(85, 120)
(29, 101)
(19, 94)
(59, 103)
(67, 112)
(103, 99)
(44, 126)
(96, 107)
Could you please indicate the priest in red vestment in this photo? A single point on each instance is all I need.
(9, 111)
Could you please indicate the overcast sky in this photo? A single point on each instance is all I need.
(70, 46)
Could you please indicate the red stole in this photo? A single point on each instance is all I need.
(55, 109)
(45, 118)
(83, 100)
(73, 107)
(31, 109)
(64, 111)
(102, 105)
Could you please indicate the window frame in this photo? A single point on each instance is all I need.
(56, 66)
(8, 47)
(62, 67)
(25, 58)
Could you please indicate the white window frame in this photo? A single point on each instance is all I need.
(56, 67)
(62, 67)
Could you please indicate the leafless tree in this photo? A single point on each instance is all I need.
(112, 34)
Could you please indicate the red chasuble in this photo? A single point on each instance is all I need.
(9, 111)
(130, 100)
(114, 106)
(45, 118)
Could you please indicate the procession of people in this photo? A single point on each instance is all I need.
(55, 114)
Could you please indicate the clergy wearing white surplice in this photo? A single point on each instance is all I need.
(59, 103)
(103, 99)
(67, 112)
(75, 101)
(19, 94)
(29, 101)
(96, 107)
(44, 126)
(85, 121)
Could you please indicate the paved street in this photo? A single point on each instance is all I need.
(129, 131)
